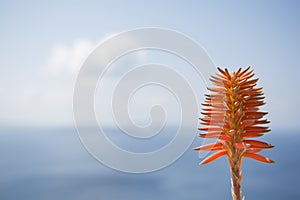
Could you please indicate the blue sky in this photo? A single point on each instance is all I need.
(43, 43)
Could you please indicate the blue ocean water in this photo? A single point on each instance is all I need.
(42, 164)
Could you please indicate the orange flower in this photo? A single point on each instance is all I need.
(231, 114)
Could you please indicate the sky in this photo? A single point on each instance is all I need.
(43, 45)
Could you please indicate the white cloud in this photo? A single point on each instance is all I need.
(66, 59)
(45, 99)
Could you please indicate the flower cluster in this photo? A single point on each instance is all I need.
(231, 114)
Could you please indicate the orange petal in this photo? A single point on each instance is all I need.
(254, 103)
(217, 90)
(257, 129)
(257, 157)
(206, 104)
(242, 145)
(244, 71)
(217, 78)
(253, 144)
(257, 97)
(221, 76)
(215, 114)
(224, 138)
(248, 75)
(261, 122)
(222, 71)
(210, 147)
(213, 157)
(250, 134)
(210, 135)
(247, 122)
(207, 129)
(248, 83)
(253, 109)
(218, 81)
(258, 144)
(238, 71)
(227, 74)
(258, 114)
(253, 150)
(205, 119)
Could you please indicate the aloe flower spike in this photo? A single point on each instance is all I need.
(231, 114)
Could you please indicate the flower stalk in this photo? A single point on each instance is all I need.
(231, 114)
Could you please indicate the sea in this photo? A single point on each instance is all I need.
(52, 164)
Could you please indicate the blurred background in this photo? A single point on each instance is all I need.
(42, 45)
